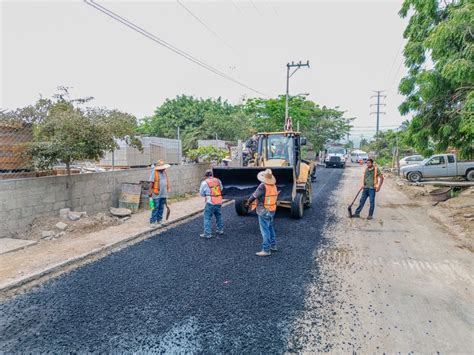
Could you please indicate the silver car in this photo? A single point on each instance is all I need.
(411, 159)
(439, 166)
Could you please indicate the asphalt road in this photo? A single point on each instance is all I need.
(177, 293)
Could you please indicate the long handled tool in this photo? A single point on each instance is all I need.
(168, 210)
(349, 208)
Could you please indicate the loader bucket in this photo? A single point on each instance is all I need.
(240, 183)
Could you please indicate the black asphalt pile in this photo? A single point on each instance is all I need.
(178, 293)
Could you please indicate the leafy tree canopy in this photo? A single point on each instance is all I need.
(208, 154)
(65, 132)
(439, 87)
(206, 119)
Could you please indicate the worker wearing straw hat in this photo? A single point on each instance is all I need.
(264, 200)
(159, 189)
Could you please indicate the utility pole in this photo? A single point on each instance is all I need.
(288, 76)
(378, 104)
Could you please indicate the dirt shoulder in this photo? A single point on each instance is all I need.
(455, 216)
(399, 283)
(76, 247)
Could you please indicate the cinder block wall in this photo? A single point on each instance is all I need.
(23, 200)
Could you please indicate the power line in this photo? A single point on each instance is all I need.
(274, 9)
(238, 8)
(375, 128)
(167, 45)
(206, 26)
(389, 74)
(256, 8)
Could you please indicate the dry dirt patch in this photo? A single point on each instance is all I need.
(456, 215)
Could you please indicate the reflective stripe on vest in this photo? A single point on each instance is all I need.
(216, 193)
(156, 183)
(376, 176)
(270, 200)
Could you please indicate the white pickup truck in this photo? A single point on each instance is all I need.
(439, 165)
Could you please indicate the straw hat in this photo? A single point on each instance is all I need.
(160, 165)
(266, 177)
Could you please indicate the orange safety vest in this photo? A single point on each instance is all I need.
(270, 201)
(216, 193)
(376, 177)
(156, 183)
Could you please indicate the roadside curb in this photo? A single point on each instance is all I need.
(77, 259)
(19, 247)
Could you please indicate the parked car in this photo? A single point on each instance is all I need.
(411, 159)
(358, 155)
(439, 165)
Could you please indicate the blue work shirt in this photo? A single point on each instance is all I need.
(205, 191)
(163, 192)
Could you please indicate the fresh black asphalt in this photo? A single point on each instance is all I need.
(177, 293)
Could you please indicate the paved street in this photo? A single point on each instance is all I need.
(175, 292)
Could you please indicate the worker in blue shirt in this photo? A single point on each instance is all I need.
(211, 190)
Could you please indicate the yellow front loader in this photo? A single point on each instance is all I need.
(281, 152)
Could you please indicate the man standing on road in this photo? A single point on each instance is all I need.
(159, 189)
(264, 199)
(372, 181)
(211, 190)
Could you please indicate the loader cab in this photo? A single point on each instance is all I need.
(279, 149)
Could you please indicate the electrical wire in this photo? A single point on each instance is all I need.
(167, 45)
(206, 26)
(235, 5)
(256, 8)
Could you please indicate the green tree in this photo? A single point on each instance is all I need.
(65, 132)
(439, 87)
(208, 154)
(385, 143)
(206, 119)
(269, 114)
(194, 117)
(319, 124)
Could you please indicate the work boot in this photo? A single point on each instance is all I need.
(370, 217)
(220, 232)
(263, 253)
(356, 215)
(205, 236)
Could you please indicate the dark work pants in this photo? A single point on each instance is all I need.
(367, 193)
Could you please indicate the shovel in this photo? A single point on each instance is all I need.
(168, 210)
(349, 208)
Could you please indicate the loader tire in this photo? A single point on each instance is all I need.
(240, 208)
(297, 206)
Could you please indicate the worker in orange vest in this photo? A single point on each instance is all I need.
(211, 190)
(372, 181)
(159, 189)
(264, 200)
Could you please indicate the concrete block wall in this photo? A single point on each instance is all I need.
(23, 200)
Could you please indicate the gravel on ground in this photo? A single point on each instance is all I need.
(178, 293)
